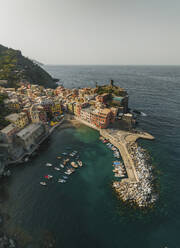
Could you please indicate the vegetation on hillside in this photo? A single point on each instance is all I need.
(111, 89)
(14, 67)
(3, 112)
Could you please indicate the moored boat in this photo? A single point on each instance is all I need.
(61, 181)
(48, 164)
(79, 163)
(57, 168)
(68, 172)
(43, 183)
(74, 165)
(48, 176)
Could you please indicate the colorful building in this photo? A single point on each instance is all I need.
(102, 98)
(37, 114)
(77, 109)
(7, 133)
(12, 104)
(19, 120)
(121, 102)
(70, 107)
(101, 117)
(56, 108)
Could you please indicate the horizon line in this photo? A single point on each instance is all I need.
(110, 65)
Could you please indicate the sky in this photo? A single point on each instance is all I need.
(93, 32)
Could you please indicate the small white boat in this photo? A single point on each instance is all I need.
(61, 165)
(48, 164)
(43, 183)
(61, 181)
(26, 159)
(50, 176)
(67, 172)
(80, 163)
(57, 168)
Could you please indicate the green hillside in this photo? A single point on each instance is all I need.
(14, 67)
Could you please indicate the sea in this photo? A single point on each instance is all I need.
(85, 211)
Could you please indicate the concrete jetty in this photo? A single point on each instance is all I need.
(121, 139)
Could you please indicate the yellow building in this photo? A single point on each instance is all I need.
(19, 120)
(56, 108)
(70, 107)
(75, 109)
(12, 104)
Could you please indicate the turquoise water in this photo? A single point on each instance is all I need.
(84, 212)
(68, 208)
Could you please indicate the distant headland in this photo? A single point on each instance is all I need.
(15, 68)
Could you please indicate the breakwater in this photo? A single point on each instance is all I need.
(137, 188)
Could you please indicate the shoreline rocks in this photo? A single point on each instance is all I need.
(142, 192)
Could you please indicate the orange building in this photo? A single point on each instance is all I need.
(101, 117)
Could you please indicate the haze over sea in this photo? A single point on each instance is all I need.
(84, 212)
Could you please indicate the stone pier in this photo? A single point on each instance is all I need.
(120, 139)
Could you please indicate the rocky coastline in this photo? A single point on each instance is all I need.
(141, 193)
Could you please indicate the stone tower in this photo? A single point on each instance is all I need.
(112, 83)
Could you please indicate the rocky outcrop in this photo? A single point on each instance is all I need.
(6, 242)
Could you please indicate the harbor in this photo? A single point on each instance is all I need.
(133, 175)
(137, 187)
(69, 162)
(86, 208)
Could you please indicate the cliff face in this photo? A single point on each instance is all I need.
(14, 67)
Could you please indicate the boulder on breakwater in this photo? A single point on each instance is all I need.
(140, 193)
